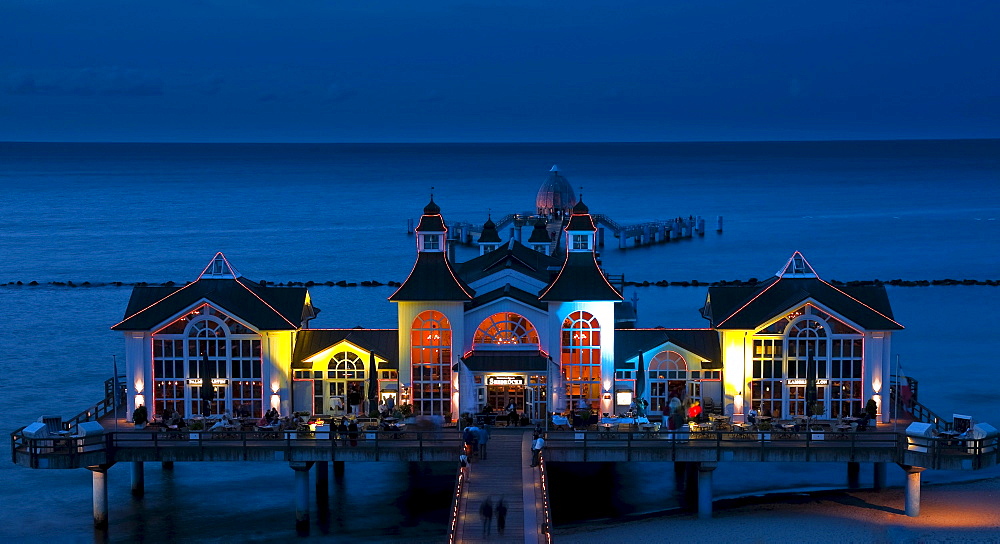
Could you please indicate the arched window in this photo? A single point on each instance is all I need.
(506, 328)
(232, 350)
(668, 377)
(581, 359)
(430, 363)
(807, 348)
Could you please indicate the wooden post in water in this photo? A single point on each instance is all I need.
(301, 469)
(719, 228)
(912, 490)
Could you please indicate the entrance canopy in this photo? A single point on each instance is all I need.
(506, 361)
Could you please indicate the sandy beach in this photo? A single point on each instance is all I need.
(961, 512)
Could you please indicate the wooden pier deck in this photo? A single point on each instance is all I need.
(506, 473)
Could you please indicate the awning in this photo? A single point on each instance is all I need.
(506, 361)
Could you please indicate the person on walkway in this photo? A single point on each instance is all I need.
(352, 431)
(501, 516)
(354, 400)
(536, 449)
(342, 431)
(512, 416)
(484, 437)
(486, 514)
(471, 437)
(752, 416)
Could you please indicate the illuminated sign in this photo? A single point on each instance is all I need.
(803, 382)
(505, 380)
(215, 381)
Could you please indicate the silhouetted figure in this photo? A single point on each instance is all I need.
(501, 516)
(486, 514)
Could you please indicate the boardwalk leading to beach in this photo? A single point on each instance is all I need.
(506, 472)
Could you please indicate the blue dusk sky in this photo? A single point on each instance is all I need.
(497, 70)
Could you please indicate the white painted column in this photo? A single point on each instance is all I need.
(913, 490)
(301, 492)
(100, 483)
(705, 490)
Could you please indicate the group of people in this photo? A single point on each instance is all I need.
(486, 510)
(475, 438)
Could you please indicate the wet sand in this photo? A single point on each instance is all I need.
(960, 512)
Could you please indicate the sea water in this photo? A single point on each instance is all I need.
(102, 213)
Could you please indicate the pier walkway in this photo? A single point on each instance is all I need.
(505, 473)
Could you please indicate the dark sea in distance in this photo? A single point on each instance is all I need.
(298, 212)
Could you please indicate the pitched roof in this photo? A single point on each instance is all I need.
(506, 361)
(507, 291)
(513, 255)
(383, 342)
(750, 307)
(705, 343)
(264, 308)
(489, 234)
(432, 278)
(580, 279)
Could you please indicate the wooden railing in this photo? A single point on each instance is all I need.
(916, 409)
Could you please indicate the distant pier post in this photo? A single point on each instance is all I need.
(719, 227)
(912, 490)
(100, 481)
(138, 479)
(701, 226)
(409, 226)
(301, 469)
(600, 236)
(705, 490)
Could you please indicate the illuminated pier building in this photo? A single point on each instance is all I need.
(512, 325)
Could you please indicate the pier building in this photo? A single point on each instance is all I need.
(513, 325)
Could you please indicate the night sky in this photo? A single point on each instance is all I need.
(497, 70)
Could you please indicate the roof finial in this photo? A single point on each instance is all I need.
(555, 168)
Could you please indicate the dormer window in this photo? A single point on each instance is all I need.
(581, 241)
(489, 247)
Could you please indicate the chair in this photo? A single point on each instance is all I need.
(53, 424)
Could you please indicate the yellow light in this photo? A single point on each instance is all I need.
(139, 386)
(140, 400)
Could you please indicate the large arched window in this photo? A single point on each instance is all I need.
(807, 344)
(233, 369)
(668, 377)
(430, 363)
(581, 359)
(506, 328)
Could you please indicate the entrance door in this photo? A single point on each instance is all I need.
(500, 397)
(796, 400)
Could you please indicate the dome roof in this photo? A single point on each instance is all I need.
(556, 194)
(581, 208)
(432, 208)
(489, 234)
(539, 234)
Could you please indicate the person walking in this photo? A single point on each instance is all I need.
(501, 516)
(486, 514)
(484, 437)
(536, 449)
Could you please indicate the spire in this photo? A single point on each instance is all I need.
(431, 229)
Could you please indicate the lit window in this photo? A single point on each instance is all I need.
(581, 241)
(431, 241)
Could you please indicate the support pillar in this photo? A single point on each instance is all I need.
(680, 469)
(322, 480)
(879, 476)
(853, 475)
(100, 481)
(705, 490)
(168, 465)
(138, 479)
(912, 489)
(301, 469)
(338, 469)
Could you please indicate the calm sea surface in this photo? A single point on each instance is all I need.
(142, 212)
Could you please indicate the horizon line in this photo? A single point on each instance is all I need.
(491, 142)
